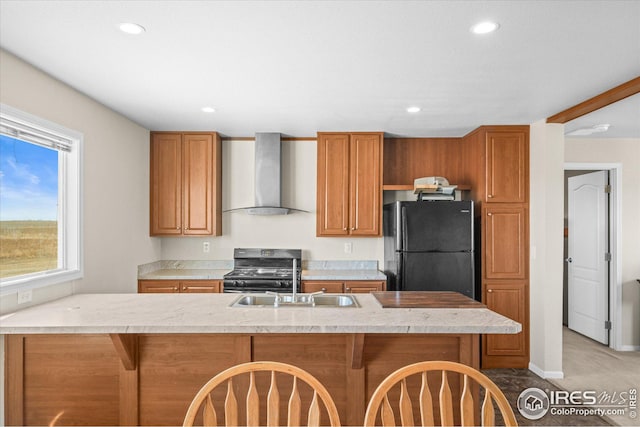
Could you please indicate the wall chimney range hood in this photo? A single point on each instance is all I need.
(268, 177)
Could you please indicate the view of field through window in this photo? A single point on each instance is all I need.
(28, 208)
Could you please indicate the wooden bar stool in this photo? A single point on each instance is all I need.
(300, 378)
(380, 402)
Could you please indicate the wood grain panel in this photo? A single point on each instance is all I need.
(507, 170)
(510, 301)
(616, 94)
(325, 359)
(406, 159)
(328, 286)
(384, 354)
(425, 299)
(71, 379)
(364, 286)
(333, 185)
(166, 184)
(200, 286)
(158, 286)
(505, 241)
(174, 367)
(197, 172)
(14, 380)
(365, 208)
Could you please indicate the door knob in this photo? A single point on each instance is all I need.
(569, 259)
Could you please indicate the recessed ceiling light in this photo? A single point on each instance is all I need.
(485, 27)
(208, 109)
(413, 109)
(131, 28)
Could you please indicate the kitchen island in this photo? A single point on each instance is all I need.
(138, 359)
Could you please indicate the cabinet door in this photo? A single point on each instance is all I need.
(363, 287)
(328, 286)
(510, 300)
(507, 166)
(158, 286)
(198, 183)
(166, 184)
(505, 241)
(365, 208)
(333, 185)
(200, 286)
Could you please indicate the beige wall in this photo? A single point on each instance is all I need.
(546, 224)
(296, 230)
(115, 184)
(627, 153)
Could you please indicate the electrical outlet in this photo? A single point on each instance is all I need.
(348, 247)
(24, 296)
(206, 247)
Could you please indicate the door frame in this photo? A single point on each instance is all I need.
(615, 245)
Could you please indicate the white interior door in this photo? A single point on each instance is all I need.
(587, 263)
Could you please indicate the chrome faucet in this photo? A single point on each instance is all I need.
(277, 300)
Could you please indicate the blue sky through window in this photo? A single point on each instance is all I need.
(28, 181)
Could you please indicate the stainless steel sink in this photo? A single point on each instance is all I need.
(302, 300)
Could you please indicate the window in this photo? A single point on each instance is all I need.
(40, 214)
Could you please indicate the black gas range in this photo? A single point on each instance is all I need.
(261, 270)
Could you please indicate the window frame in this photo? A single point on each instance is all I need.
(70, 177)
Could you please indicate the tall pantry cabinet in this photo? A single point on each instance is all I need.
(186, 176)
(496, 160)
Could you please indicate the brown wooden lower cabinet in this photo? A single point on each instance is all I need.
(150, 379)
(179, 286)
(341, 286)
(512, 301)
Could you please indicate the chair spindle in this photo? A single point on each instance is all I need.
(446, 403)
(294, 405)
(230, 406)
(406, 409)
(466, 404)
(273, 403)
(426, 403)
(209, 414)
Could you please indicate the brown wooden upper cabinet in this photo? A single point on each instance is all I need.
(186, 177)
(507, 166)
(349, 191)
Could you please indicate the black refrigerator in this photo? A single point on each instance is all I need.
(428, 246)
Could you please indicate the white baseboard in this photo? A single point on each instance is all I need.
(545, 374)
(629, 348)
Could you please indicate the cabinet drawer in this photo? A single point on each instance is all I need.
(330, 287)
(364, 286)
(158, 286)
(200, 286)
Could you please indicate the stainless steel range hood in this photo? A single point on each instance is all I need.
(268, 176)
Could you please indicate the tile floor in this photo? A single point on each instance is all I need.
(513, 381)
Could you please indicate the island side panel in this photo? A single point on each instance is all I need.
(174, 367)
(385, 353)
(67, 380)
(81, 376)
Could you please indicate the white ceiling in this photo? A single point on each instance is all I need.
(298, 67)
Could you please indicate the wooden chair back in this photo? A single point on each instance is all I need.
(380, 404)
(204, 403)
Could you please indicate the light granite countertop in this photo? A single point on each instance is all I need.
(215, 270)
(211, 313)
